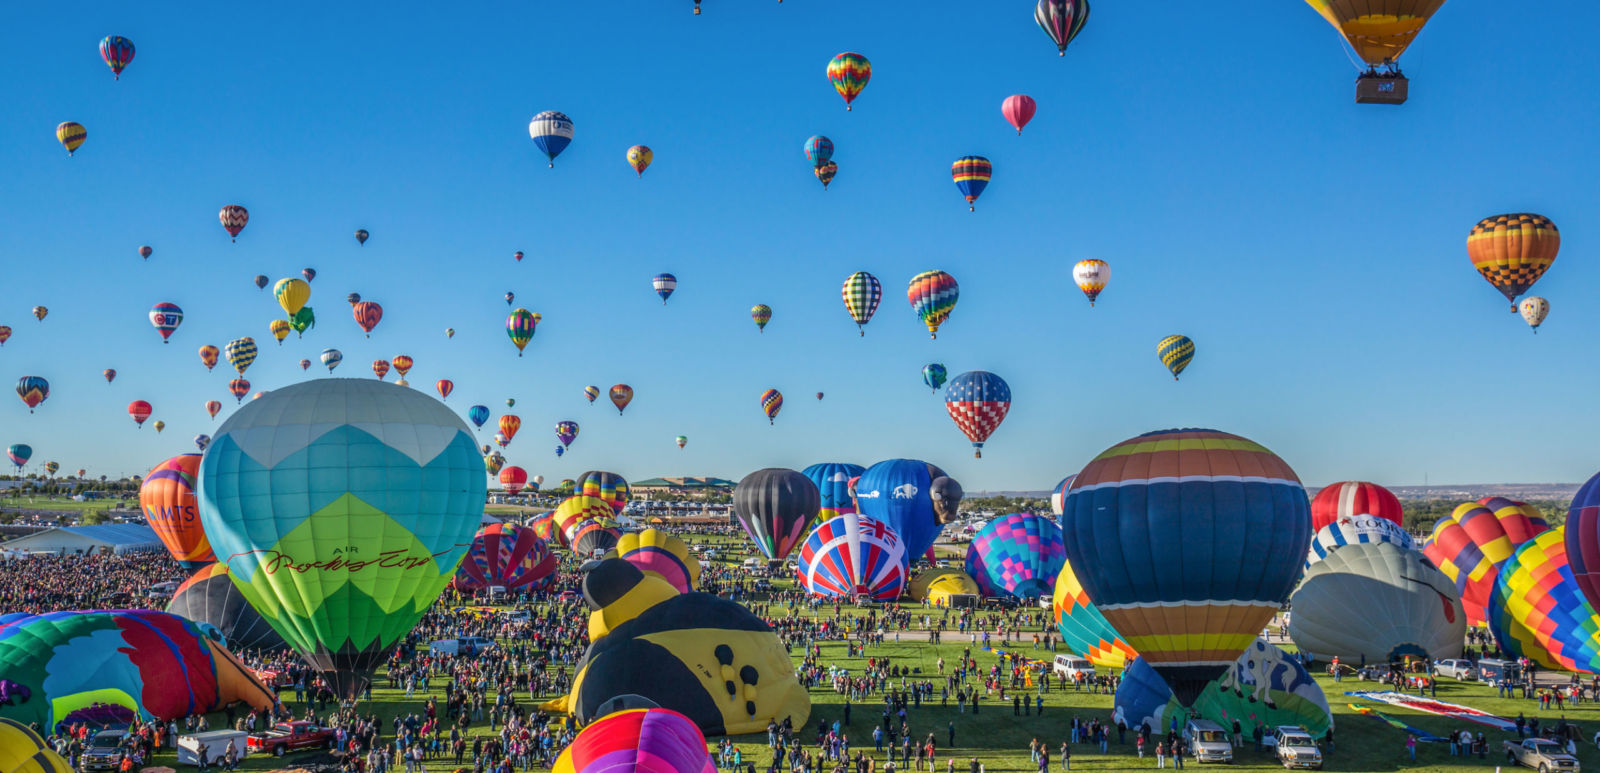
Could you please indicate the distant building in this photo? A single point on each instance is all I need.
(642, 489)
(86, 540)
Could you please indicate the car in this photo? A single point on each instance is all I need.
(1454, 668)
(104, 751)
(465, 645)
(1208, 741)
(1295, 749)
(1071, 666)
(286, 737)
(1541, 754)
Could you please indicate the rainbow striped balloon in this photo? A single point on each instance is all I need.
(933, 296)
(771, 403)
(849, 73)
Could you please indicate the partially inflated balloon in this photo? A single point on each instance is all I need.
(210, 597)
(1472, 543)
(658, 553)
(915, 498)
(833, 485)
(1357, 530)
(1016, 555)
(576, 510)
(506, 555)
(1083, 629)
(342, 562)
(167, 498)
(607, 486)
(1379, 603)
(775, 505)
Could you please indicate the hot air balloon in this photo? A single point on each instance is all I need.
(208, 356)
(508, 556)
(302, 455)
(575, 511)
(1472, 544)
(361, 236)
(501, 438)
(353, 298)
(201, 441)
(1513, 251)
(520, 326)
(849, 73)
(40, 312)
(1083, 629)
(279, 328)
(212, 407)
(832, 480)
(71, 135)
(402, 364)
(511, 402)
(819, 395)
(50, 468)
(591, 392)
(1263, 685)
(1189, 541)
(292, 294)
(145, 252)
(658, 553)
(1175, 352)
(977, 402)
(307, 363)
(33, 390)
(260, 281)
(510, 296)
(1016, 555)
(1062, 20)
(761, 314)
(551, 132)
(645, 739)
(936, 586)
(639, 157)
(166, 317)
(367, 316)
(971, 175)
(566, 432)
(621, 395)
(159, 425)
(933, 296)
(518, 256)
(234, 218)
(209, 597)
(819, 150)
(1582, 537)
(1339, 502)
(117, 51)
(1534, 309)
(167, 499)
(1018, 110)
(478, 414)
(681, 440)
(5, 334)
(303, 320)
(20, 453)
(862, 292)
(110, 374)
(1091, 277)
(1539, 611)
(664, 284)
(934, 375)
(445, 387)
(309, 273)
(509, 424)
(449, 332)
(595, 538)
(238, 388)
(1379, 603)
(513, 478)
(606, 486)
(825, 173)
(775, 505)
(380, 368)
(771, 403)
(1378, 32)
(331, 358)
(241, 352)
(1356, 530)
(493, 463)
(915, 498)
(82, 472)
(854, 556)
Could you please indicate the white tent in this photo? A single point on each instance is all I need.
(106, 538)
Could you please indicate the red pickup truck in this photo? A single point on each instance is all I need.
(287, 737)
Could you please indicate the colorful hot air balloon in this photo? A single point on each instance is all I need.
(509, 424)
(241, 352)
(1175, 352)
(367, 315)
(279, 328)
(854, 556)
(1018, 110)
(385, 546)
(639, 157)
(380, 368)
(934, 375)
(478, 414)
(139, 410)
(208, 356)
(849, 72)
(1534, 309)
(591, 392)
(761, 314)
(110, 374)
(331, 358)
(166, 317)
(40, 312)
(71, 135)
(977, 402)
(606, 486)
(621, 395)
(520, 327)
(971, 175)
(33, 390)
(513, 479)
(1091, 277)
(933, 296)
(501, 438)
(145, 252)
(1083, 629)
(238, 388)
(510, 296)
(493, 463)
(832, 480)
(1472, 544)
(1340, 502)
(862, 292)
(309, 273)
(664, 284)
(1513, 251)
(1356, 530)
(661, 554)
(551, 132)
(825, 172)
(1016, 555)
(449, 332)
(117, 51)
(575, 511)
(1583, 539)
(508, 556)
(50, 468)
(566, 432)
(167, 498)
(20, 453)
(771, 403)
(307, 363)
(1539, 610)
(511, 402)
(819, 150)
(1189, 541)
(445, 387)
(681, 440)
(361, 236)
(1062, 20)
(518, 256)
(819, 395)
(402, 364)
(644, 739)
(5, 334)
(234, 218)
(212, 407)
(292, 294)
(775, 506)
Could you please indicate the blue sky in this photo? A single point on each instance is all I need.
(1313, 248)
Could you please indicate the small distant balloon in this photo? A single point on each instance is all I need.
(664, 285)
(234, 218)
(145, 252)
(117, 51)
(971, 175)
(331, 358)
(551, 132)
(1018, 110)
(761, 314)
(771, 403)
(825, 173)
(110, 374)
(1175, 352)
(1534, 309)
(261, 281)
(71, 135)
(591, 392)
(308, 273)
(639, 157)
(361, 235)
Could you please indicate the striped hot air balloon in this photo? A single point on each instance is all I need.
(971, 175)
(854, 556)
(771, 403)
(166, 317)
(933, 296)
(849, 72)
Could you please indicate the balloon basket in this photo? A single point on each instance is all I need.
(1381, 88)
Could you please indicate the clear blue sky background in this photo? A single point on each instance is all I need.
(1313, 248)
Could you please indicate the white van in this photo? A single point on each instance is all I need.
(462, 646)
(217, 743)
(1208, 741)
(1071, 666)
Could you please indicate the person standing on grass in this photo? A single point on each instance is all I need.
(1411, 747)
(1161, 754)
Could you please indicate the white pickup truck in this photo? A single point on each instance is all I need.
(1541, 754)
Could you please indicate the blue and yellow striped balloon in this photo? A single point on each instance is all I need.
(241, 352)
(1175, 353)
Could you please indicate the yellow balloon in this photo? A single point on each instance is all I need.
(292, 294)
(1377, 30)
(280, 329)
(23, 751)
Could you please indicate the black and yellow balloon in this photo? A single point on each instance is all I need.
(707, 658)
(23, 751)
(1377, 30)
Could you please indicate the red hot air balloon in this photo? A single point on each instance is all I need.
(139, 410)
(621, 395)
(513, 478)
(1340, 502)
(367, 315)
(1018, 110)
(445, 387)
(212, 406)
(380, 368)
(234, 218)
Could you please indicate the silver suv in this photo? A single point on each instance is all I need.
(1453, 668)
(1295, 748)
(104, 751)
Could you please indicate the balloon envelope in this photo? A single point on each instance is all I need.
(854, 556)
(1016, 555)
(167, 498)
(209, 596)
(775, 505)
(903, 493)
(1377, 603)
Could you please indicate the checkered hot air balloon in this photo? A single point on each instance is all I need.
(977, 401)
(771, 403)
(933, 296)
(853, 555)
(1511, 252)
(240, 353)
(1016, 555)
(862, 292)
